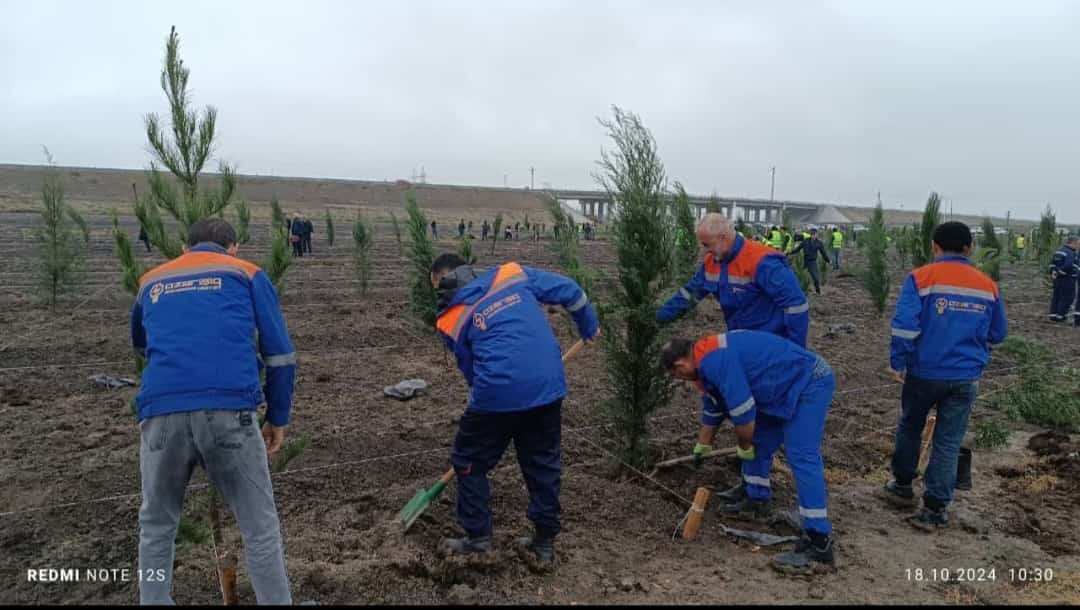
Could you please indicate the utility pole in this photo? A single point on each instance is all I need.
(532, 174)
(879, 197)
(504, 180)
(1007, 213)
(772, 185)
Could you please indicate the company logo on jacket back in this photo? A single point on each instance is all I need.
(943, 304)
(480, 319)
(161, 289)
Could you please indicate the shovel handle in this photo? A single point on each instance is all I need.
(575, 348)
(690, 458)
(449, 476)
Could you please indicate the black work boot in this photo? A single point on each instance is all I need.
(732, 495)
(899, 494)
(748, 508)
(929, 519)
(813, 553)
(539, 550)
(963, 470)
(467, 545)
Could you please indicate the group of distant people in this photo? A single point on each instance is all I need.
(300, 230)
(510, 233)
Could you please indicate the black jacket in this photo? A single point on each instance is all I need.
(810, 248)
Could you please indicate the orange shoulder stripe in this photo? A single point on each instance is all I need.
(193, 260)
(746, 262)
(506, 272)
(449, 320)
(707, 345)
(952, 273)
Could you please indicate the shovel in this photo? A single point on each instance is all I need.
(423, 498)
(690, 458)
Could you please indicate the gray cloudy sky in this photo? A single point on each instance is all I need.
(975, 99)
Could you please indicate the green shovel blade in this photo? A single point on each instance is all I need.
(419, 503)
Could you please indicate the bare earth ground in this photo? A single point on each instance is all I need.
(65, 441)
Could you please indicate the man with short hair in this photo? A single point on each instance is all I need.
(484, 228)
(196, 321)
(434, 230)
(495, 324)
(461, 229)
(776, 393)
(948, 317)
(1064, 270)
(810, 247)
(753, 283)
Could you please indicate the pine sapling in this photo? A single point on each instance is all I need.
(876, 275)
(243, 221)
(329, 229)
(421, 254)
(61, 246)
(363, 239)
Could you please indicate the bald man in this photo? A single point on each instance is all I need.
(753, 283)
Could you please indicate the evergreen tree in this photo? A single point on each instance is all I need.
(876, 275)
(61, 238)
(192, 142)
(243, 221)
(686, 246)
(988, 255)
(922, 252)
(634, 178)
(363, 239)
(329, 229)
(497, 227)
(422, 297)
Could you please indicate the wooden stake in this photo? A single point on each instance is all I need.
(226, 561)
(927, 439)
(697, 511)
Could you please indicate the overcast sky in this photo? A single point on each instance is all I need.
(977, 100)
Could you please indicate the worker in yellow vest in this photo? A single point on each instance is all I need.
(1021, 241)
(837, 245)
(776, 238)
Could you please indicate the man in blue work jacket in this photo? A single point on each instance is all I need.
(948, 316)
(776, 393)
(753, 283)
(195, 321)
(495, 324)
(757, 290)
(1064, 270)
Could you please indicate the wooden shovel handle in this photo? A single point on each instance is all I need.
(690, 458)
(449, 476)
(575, 348)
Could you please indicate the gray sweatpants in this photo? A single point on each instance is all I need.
(230, 447)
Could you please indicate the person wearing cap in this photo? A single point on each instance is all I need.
(948, 317)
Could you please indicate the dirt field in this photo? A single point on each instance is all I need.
(69, 460)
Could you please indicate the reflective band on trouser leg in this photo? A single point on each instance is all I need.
(802, 443)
